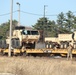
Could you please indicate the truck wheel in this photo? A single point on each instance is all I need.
(13, 43)
(74, 45)
(66, 44)
(50, 44)
(17, 44)
(31, 45)
(46, 44)
(0, 43)
(61, 46)
(3, 44)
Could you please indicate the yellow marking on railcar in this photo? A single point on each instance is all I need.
(5, 50)
(53, 51)
(34, 50)
(61, 51)
(17, 50)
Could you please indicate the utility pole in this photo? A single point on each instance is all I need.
(44, 10)
(44, 23)
(19, 13)
(9, 54)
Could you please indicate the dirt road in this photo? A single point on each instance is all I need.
(37, 66)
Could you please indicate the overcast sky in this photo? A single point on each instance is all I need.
(32, 10)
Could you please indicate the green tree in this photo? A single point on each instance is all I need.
(4, 28)
(46, 25)
(69, 21)
(61, 23)
(74, 24)
(65, 23)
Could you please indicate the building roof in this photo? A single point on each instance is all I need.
(28, 28)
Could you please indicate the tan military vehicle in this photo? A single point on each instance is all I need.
(62, 40)
(24, 38)
(21, 38)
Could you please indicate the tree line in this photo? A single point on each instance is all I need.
(5, 27)
(65, 23)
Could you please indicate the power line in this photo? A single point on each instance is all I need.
(8, 13)
(52, 15)
(32, 13)
(37, 14)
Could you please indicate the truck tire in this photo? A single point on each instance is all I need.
(33, 45)
(74, 45)
(17, 44)
(61, 45)
(50, 44)
(13, 43)
(46, 44)
(3, 44)
(0, 43)
(66, 44)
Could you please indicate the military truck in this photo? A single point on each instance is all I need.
(21, 38)
(24, 38)
(62, 40)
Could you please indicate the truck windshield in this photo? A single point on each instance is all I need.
(24, 32)
(34, 32)
(28, 32)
